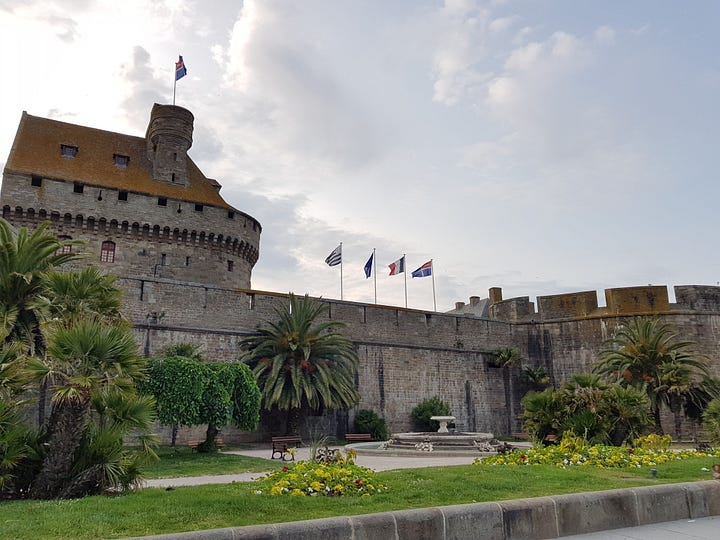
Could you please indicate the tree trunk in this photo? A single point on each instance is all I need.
(293, 422)
(509, 405)
(67, 424)
(173, 435)
(656, 418)
(208, 445)
(88, 482)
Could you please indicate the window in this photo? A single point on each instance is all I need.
(163, 259)
(231, 214)
(68, 151)
(107, 252)
(122, 195)
(36, 181)
(187, 261)
(67, 248)
(172, 177)
(198, 207)
(121, 161)
(78, 188)
(162, 201)
(230, 265)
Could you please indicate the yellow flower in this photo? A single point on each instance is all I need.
(297, 493)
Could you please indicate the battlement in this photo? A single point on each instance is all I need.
(620, 301)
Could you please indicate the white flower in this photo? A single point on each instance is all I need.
(258, 492)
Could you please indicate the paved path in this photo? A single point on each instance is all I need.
(684, 529)
(377, 463)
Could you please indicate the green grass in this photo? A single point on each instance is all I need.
(156, 511)
(181, 461)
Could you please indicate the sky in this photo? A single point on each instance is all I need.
(544, 147)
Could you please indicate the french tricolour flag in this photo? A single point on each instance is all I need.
(398, 267)
(424, 271)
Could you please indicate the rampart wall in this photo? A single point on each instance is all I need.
(409, 355)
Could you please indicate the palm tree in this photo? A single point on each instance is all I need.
(88, 359)
(24, 258)
(647, 354)
(506, 358)
(301, 363)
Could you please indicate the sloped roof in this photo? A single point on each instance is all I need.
(36, 150)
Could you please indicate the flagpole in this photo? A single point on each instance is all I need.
(405, 274)
(375, 274)
(341, 262)
(432, 273)
(174, 85)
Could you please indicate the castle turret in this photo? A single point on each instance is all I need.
(169, 137)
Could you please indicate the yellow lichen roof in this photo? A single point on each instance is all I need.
(36, 150)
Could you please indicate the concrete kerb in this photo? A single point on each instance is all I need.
(542, 517)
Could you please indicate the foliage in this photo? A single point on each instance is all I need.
(653, 441)
(177, 384)
(711, 420)
(422, 412)
(186, 350)
(537, 378)
(367, 421)
(648, 355)
(191, 392)
(299, 362)
(341, 478)
(505, 357)
(601, 413)
(575, 451)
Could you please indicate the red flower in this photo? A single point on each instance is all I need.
(631, 451)
(359, 481)
(523, 457)
(285, 469)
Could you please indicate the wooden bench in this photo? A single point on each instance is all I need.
(194, 444)
(281, 445)
(353, 437)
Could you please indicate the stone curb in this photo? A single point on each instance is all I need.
(541, 517)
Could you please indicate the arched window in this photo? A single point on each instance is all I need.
(65, 248)
(107, 252)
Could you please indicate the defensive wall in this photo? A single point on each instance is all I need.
(408, 355)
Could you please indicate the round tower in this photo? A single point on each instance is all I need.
(169, 137)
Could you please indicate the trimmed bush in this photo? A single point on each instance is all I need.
(367, 421)
(425, 409)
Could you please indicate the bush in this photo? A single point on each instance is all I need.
(711, 420)
(425, 409)
(369, 422)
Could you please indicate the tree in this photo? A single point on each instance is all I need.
(191, 392)
(648, 354)
(506, 358)
(302, 363)
(177, 384)
(427, 408)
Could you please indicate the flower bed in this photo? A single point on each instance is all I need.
(574, 451)
(307, 478)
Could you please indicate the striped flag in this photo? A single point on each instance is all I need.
(398, 267)
(180, 69)
(424, 271)
(335, 257)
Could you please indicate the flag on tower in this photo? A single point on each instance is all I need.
(398, 267)
(368, 266)
(335, 257)
(424, 271)
(180, 69)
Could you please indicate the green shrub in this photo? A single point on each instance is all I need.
(367, 421)
(711, 420)
(425, 409)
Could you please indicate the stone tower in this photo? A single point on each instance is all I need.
(169, 137)
(141, 204)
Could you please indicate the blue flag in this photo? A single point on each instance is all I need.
(180, 69)
(368, 266)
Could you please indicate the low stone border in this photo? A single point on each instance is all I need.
(542, 517)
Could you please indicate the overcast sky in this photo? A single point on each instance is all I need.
(539, 146)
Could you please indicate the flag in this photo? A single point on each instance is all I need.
(424, 271)
(368, 266)
(180, 69)
(398, 267)
(335, 257)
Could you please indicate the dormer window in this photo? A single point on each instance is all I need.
(121, 161)
(162, 201)
(68, 151)
(78, 188)
(198, 207)
(231, 214)
(36, 181)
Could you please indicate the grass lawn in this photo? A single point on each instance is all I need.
(181, 461)
(156, 511)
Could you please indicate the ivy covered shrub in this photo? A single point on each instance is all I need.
(425, 409)
(711, 421)
(367, 421)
